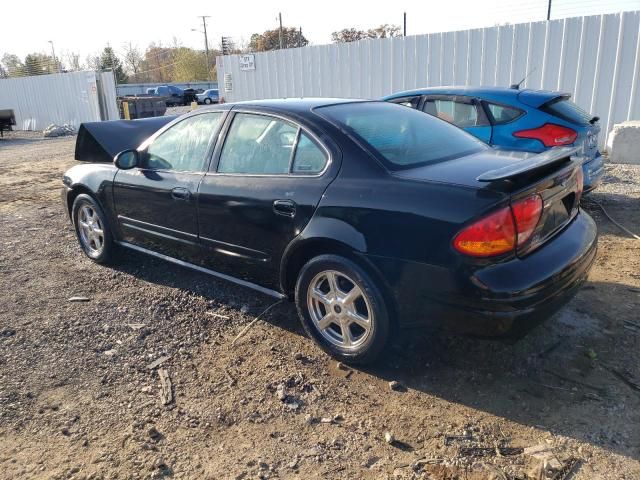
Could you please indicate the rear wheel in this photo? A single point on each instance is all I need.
(342, 309)
(92, 229)
(207, 101)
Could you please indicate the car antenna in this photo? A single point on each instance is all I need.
(516, 86)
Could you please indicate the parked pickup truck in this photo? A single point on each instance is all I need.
(173, 95)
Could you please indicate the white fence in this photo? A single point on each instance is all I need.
(70, 98)
(595, 58)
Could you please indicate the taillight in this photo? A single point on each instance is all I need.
(489, 236)
(501, 231)
(550, 134)
(526, 213)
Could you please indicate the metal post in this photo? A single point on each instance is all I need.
(300, 37)
(404, 31)
(549, 11)
(206, 44)
(53, 53)
(280, 18)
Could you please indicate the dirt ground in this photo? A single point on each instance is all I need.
(81, 398)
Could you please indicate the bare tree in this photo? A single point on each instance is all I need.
(73, 61)
(132, 59)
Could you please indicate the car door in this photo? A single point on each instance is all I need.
(156, 202)
(464, 112)
(267, 178)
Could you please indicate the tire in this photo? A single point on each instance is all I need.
(362, 341)
(207, 101)
(89, 220)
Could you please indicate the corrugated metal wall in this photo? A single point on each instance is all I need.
(595, 58)
(70, 98)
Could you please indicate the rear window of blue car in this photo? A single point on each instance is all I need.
(567, 110)
(401, 137)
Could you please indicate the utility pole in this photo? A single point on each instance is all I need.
(206, 43)
(53, 54)
(404, 31)
(280, 18)
(300, 37)
(549, 11)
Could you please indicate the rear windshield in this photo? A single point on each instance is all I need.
(567, 110)
(401, 137)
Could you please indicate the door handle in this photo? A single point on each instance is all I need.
(179, 193)
(285, 207)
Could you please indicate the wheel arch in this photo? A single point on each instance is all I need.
(303, 250)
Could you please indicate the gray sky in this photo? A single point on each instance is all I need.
(86, 27)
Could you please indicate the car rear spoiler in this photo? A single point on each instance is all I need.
(530, 165)
(101, 141)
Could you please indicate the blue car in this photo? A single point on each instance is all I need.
(513, 119)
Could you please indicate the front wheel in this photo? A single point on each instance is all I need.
(342, 309)
(207, 101)
(92, 229)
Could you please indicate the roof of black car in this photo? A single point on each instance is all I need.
(296, 104)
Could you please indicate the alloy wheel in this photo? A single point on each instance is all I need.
(340, 310)
(91, 230)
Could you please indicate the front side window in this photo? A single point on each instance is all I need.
(183, 147)
(401, 137)
(264, 145)
(461, 114)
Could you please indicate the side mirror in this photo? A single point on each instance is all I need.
(126, 159)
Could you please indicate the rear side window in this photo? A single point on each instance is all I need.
(502, 114)
(257, 144)
(309, 157)
(264, 145)
(567, 110)
(401, 137)
(461, 114)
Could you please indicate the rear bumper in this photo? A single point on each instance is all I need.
(593, 171)
(504, 299)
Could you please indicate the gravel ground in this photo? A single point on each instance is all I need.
(81, 394)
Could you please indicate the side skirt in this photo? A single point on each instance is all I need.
(229, 278)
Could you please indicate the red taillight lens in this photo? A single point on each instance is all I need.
(550, 134)
(526, 213)
(492, 235)
(501, 231)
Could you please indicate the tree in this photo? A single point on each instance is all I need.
(352, 34)
(270, 40)
(73, 60)
(13, 66)
(384, 31)
(348, 35)
(189, 65)
(41, 64)
(132, 59)
(109, 60)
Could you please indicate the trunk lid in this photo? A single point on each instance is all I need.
(553, 175)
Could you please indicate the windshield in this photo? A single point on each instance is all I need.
(567, 110)
(401, 137)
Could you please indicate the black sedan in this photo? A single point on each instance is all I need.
(370, 215)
